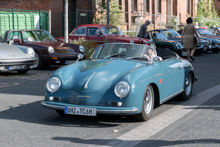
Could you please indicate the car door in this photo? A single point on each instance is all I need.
(94, 34)
(173, 77)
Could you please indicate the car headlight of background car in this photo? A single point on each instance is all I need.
(81, 48)
(122, 89)
(53, 84)
(31, 52)
(51, 49)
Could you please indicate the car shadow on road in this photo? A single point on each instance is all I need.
(36, 113)
(155, 143)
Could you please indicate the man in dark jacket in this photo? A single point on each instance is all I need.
(143, 29)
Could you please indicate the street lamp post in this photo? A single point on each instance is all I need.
(66, 33)
(107, 11)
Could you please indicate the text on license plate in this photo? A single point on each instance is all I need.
(80, 111)
(69, 62)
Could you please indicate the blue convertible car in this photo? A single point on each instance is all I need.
(122, 79)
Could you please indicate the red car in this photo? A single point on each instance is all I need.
(48, 50)
(103, 34)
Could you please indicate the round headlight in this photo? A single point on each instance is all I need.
(51, 49)
(122, 89)
(31, 52)
(53, 84)
(81, 48)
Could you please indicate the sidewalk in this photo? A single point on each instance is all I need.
(191, 123)
(201, 127)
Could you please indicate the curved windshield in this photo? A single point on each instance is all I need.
(171, 33)
(218, 28)
(111, 30)
(124, 50)
(36, 35)
(159, 36)
(204, 32)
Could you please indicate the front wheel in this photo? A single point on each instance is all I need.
(147, 104)
(185, 95)
(215, 50)
(39, 63)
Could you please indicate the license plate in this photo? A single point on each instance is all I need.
(184, 54)
(16, 67)
(80, 111)
(69, 62)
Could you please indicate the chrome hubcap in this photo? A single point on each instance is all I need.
(188, 86)
(36, 63)
(148, 100)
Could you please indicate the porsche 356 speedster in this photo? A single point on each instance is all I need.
(120, 79)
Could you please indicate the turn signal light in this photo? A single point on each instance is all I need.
(54, 58)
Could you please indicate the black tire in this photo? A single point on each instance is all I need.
(188, 87)
(22, 72)
(215, 50)
(147, 104)
(39, 63)
(60, 112)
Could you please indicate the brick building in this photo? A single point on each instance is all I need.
(56, 7)
(179, 8)
(217, 6)
(168, 10)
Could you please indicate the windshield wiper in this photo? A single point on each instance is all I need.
(114, 55)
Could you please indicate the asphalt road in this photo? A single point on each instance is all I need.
(24, 122)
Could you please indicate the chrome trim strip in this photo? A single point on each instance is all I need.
(157, 75)
(166, 99)
(86, 85)
(170, 71)
(97, 110)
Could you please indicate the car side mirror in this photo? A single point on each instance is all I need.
(80, 56)
(11, 42)
(157, 59)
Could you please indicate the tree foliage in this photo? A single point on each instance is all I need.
(115, 14)
(206, 13)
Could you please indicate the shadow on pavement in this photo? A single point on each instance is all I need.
(148, 143)
(36, 113)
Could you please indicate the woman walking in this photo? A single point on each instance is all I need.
(189, 43)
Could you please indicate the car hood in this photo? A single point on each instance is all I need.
(45, 44)
(60, 48)
(118, 38)
(95, 74)
(10, 52)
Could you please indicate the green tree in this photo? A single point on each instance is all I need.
(115, 14)
(207, 13)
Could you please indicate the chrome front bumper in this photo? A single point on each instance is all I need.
(99, 109)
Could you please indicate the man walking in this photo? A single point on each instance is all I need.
(143, 29)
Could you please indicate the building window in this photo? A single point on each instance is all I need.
(146, 5)
(175, 7)
(188, 6)
(159, 6)
(120, 3)
(133, 5)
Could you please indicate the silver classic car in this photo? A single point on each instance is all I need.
(16, 58)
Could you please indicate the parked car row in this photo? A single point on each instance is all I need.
(46, 50)
(51, 51)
